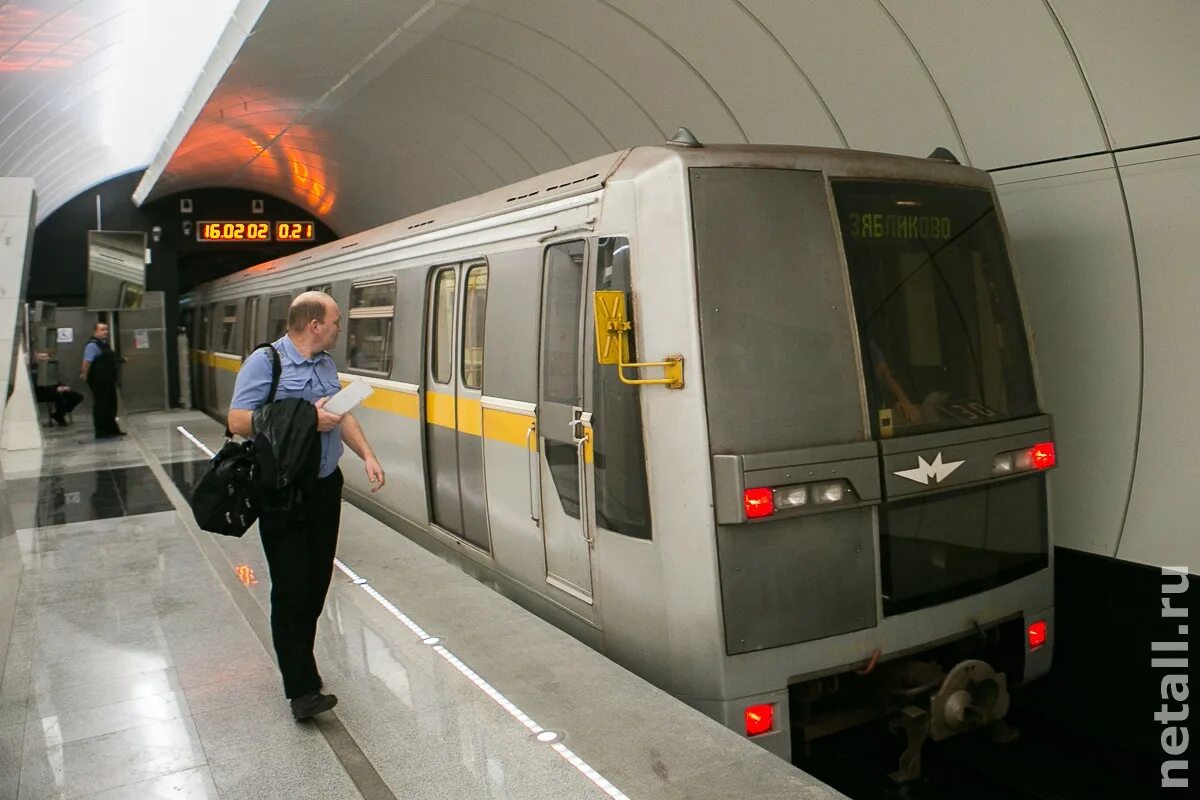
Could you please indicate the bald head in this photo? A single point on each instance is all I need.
(314, 322)
(308, 307)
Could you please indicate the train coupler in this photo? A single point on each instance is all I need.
(936, 705)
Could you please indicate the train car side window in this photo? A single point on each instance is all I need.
(619, 461)
(210, 343)
(277, 313)
(201, 340)
(475, 304)
(560, 342)
(228, 327)
(327, 288)
(251, 325)
(443, 327)
(369, 330)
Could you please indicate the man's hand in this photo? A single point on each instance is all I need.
(374, 473)
(326, 420)
(911, 412)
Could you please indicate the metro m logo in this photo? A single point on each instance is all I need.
(924, 470)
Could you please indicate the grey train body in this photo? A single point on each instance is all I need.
(621, 513)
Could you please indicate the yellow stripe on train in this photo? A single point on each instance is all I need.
(467, 415)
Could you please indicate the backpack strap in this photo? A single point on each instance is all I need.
(276, 371)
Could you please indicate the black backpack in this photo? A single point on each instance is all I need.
(226, 499)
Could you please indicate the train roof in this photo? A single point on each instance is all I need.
(592, 175)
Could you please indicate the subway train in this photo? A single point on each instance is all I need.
(759, 423)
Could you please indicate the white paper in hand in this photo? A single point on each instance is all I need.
(348, 398)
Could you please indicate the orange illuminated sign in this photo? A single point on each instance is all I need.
(233, 232)
(295, 231)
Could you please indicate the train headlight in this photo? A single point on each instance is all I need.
(791, 497)
(830, 492)
(1040, 456)
(764, 501)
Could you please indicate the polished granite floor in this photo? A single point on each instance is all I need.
(185, 474)
(139, 664)
(61, 498)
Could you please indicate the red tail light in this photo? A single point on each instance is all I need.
(759, 719)
(759, 503)
(1042, 455)
(1037, 634)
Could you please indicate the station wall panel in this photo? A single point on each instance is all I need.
(1163, 189)
(1142, 61)
(1007, 76)
(1073, 257)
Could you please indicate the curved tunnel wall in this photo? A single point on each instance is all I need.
(1086, 111)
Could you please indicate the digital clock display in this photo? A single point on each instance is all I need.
(233, 232)
(295, 231)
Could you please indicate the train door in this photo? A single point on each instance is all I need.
(210, 369)
(564, 422)
(187, 370)
(250, 327)
(200, 359)
(453, 413)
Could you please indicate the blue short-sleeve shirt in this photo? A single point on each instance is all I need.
(92, 352)
(308, 378)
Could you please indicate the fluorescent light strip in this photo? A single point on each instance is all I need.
(194, 440)
(474, 677)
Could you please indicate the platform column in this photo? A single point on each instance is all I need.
(18, 413)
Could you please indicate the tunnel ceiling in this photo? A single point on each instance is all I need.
(89, 88)
(365, 111)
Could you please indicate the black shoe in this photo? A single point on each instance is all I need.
(308, 705)
(59, 419)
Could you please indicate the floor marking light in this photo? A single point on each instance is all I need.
(575, 761)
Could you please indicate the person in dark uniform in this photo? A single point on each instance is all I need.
(99, 369)
(63, 397)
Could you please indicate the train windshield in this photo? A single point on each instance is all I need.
(938, 318)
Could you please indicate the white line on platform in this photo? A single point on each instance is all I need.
(474, 677)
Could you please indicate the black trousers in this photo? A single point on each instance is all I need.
(104, 407)
(300, 545)
(63, 402)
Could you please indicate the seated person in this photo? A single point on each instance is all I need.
(63, 397)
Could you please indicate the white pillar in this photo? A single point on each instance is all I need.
(16, 238)
(21, 429)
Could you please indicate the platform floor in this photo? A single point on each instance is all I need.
(137, 663)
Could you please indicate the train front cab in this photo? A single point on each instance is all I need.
(878, 449)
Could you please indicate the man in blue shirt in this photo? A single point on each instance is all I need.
(299, 543)
(99, 369)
